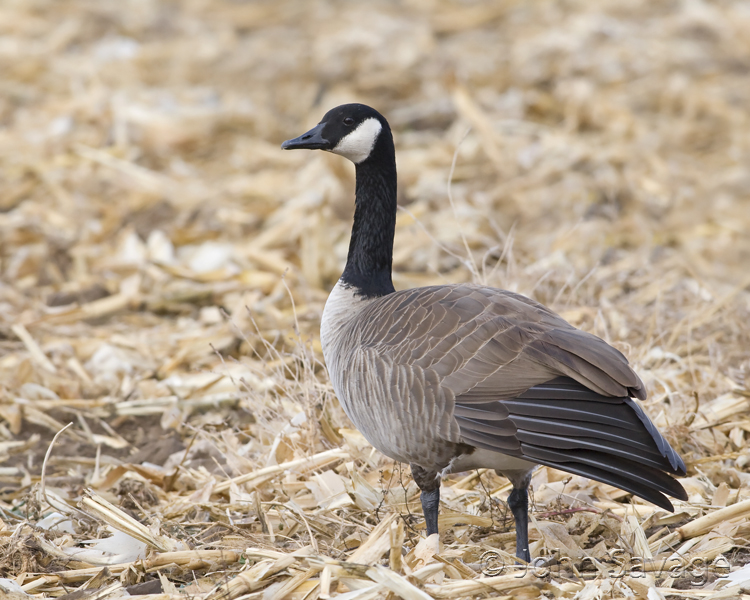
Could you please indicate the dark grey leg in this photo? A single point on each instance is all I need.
(518, 501)
(429, 483)
(430, 506)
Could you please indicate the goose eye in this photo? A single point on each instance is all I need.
(348, 121)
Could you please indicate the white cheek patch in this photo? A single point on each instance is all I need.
(359, 143)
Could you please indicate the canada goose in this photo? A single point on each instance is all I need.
(457, 377)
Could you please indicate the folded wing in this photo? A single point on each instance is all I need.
(563, 424)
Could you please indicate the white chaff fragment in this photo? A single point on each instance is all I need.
(329, 489)
(207, 257)
(56, 521)
(160, 247)
(117, 549)
(11, 589)
(739, 577)
(132, 249)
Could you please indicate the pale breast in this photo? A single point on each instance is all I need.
(338, 339)
(337, 336)
(340, 311)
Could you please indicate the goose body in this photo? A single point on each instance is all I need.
(456, 377)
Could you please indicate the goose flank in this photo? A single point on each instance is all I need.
(456, 377)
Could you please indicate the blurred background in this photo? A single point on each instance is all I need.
(163, 265)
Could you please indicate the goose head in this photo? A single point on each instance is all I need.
(350, 130)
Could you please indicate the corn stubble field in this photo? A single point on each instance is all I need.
(164, 268)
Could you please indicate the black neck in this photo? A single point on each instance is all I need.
(368, 265)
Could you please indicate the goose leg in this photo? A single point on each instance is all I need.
(429, 483)
(518, 501)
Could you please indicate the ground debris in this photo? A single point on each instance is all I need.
(164, 265)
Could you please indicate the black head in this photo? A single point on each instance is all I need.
(351, 130)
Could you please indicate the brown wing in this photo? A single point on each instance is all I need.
(488, 344)
(524, 382)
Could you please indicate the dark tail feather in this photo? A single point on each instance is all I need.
(646, 482)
